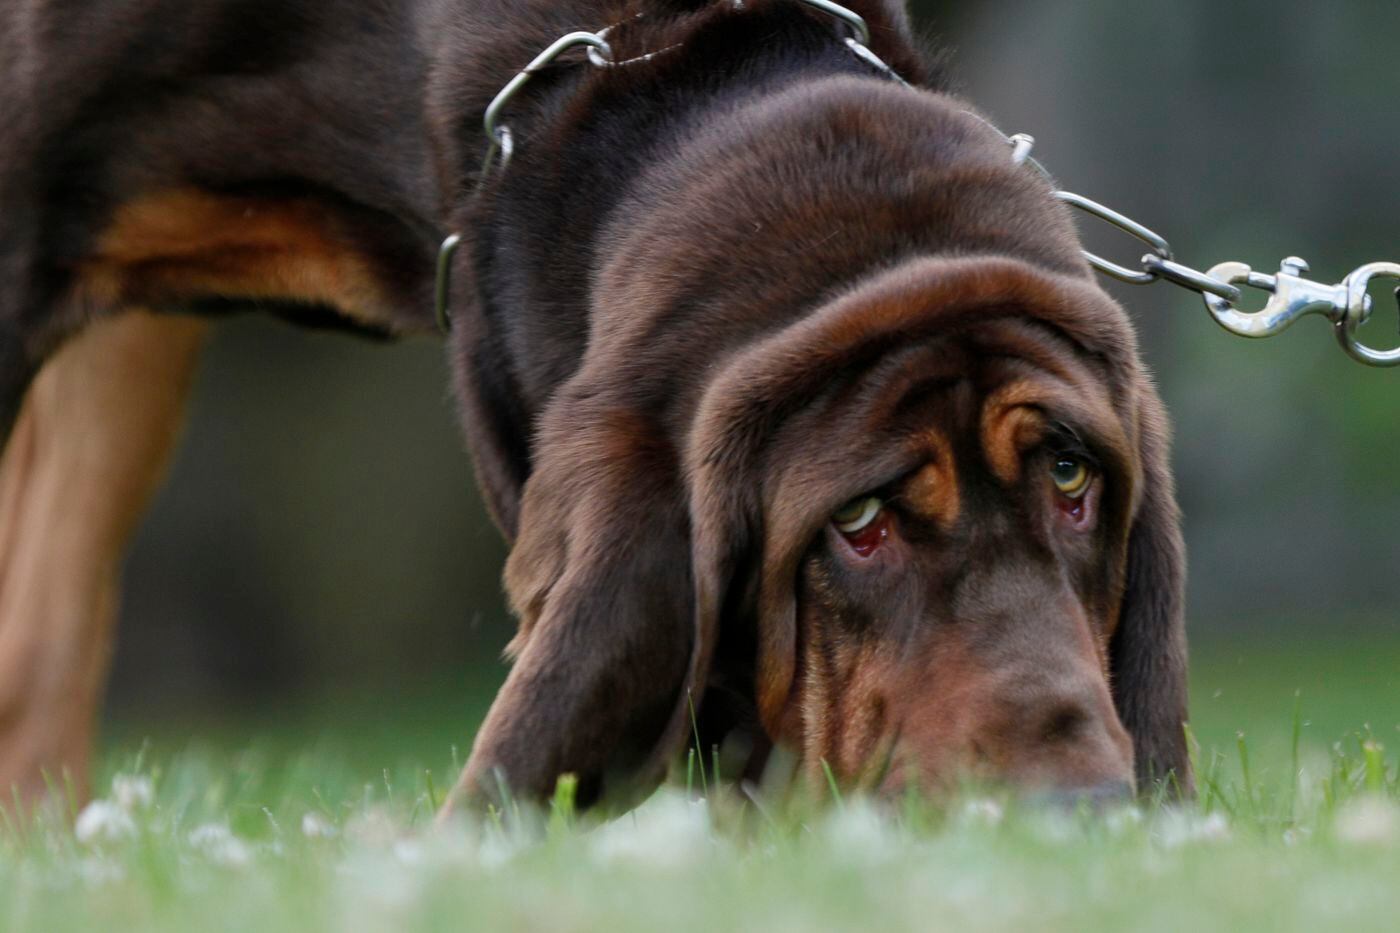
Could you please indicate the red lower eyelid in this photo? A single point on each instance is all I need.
(1076, 509)
(1072, 507)
(865, 541)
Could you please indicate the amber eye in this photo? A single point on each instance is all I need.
(857, 514)
(1071, 476)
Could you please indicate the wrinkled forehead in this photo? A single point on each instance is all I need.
(981, 429)
(982, 398)
(997, 390)
(1015, 386)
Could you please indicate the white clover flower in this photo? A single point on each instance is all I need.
(409, 852)
(1178, 828)
(103, 821)
(861, 832)
(316, 826)
(133, 792)
(981, 811)
(218, 844)
(373, 827)
(497, 849)
(665, 832)
(1119, 821)
(1368, 820)
(1055, 825)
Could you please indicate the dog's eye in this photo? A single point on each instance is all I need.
(857, 514)
(1071, 476)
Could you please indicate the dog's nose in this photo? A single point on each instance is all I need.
(1070, 744)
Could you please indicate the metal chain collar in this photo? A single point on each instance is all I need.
(1346, 304)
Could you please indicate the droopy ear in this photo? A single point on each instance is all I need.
(1147, 655)
(602, 577)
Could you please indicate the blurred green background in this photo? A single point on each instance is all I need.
(320, 560)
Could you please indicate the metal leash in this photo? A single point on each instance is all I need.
(500, 141)
(1346, 304)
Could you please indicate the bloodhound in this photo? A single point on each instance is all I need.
(794, 396)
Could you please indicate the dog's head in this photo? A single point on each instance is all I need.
(964, 532)
(935, 509)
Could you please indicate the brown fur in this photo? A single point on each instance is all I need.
(932, 492)
(715, 295)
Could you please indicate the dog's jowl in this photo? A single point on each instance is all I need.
(792, 393)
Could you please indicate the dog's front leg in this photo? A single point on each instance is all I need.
(91, 441)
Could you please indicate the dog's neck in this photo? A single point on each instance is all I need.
(586, 135)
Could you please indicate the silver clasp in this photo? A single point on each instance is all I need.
(1345, 304)
(1291, 297)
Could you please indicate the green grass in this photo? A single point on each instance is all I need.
(1297, 827)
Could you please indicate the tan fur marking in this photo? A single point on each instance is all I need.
(933, 490)
(1010, 425)
(87, 452)
(186, 244)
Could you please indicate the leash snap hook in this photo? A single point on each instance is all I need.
(1290, 297)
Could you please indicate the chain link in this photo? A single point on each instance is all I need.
(501, 143)
(1346, 304)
